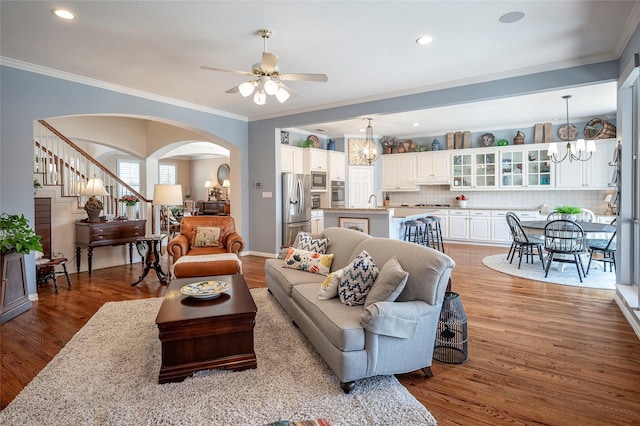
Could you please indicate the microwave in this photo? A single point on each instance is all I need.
(318, 181)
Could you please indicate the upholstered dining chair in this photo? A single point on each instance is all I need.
(607, 247)
(565, 241)
(524, 244)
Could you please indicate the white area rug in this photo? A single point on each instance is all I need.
(108, 375)
(597, 278)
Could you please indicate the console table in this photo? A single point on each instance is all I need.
(219, 208)
(100, 234)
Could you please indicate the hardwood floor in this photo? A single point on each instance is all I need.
(540, 354)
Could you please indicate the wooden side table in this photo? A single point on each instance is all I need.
(147, 246)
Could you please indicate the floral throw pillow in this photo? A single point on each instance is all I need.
(329, 287)
(357, 280)
(309, 261)
(207, 236)
(307, 242)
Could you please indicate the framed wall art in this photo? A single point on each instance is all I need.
(357, 223)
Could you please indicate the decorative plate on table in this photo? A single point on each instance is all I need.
(205, 289)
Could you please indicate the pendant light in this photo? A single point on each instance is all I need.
(582, 151)
(369, 151)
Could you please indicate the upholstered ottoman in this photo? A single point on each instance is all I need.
(205, 265)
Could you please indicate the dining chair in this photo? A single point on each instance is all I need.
(554, 216)
(586, 215)
(607, 247)
(524, 244)
(565, 242)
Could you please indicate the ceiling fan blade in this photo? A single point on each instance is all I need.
(235, 89)
(204, 67)
(288, 89)
(304, 77)
(269, 62)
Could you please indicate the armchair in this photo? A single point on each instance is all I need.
(195, 255)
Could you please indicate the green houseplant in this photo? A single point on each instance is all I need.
(568, 210)
(17, 238)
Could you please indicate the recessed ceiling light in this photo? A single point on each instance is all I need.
(64, 14)
(511, 17)
(424, 39)
(416, 124)
(362, 130)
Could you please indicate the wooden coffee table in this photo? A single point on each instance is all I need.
(198, 334)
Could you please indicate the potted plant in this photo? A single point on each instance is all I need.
(17, 238)
(569, 212)
(36, 185)
(388, 142)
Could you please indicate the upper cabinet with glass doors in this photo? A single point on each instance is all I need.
(474, 170)
(525, 168)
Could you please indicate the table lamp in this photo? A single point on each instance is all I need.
(93, 206)
(607, 200)
(165, 196)
(226, 185)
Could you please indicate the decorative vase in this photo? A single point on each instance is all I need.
(462, 204)
(131, 212)
(388, 150)
(331, 145)
(93, 214)
(435, 145)
(569, 216)
(519, 139)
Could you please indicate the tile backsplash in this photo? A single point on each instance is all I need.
(532, 199)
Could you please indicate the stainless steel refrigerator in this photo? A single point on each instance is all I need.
(296, 206)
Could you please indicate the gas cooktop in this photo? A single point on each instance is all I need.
(432, 205)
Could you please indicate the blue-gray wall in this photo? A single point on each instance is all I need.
(27, 96)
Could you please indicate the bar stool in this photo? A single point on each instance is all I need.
(439, 241)
(428, 235)
(413, 231)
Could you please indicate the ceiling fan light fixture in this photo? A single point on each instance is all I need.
(270, 87)
(246, 88)
(260, 97)
(282, 95)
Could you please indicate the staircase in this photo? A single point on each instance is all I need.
(61, 163)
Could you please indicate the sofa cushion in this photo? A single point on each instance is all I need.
(390, 282)
(206, 236)
(329, 287)
(287, 278)
(307, 242)
(338, 322)
(304, 260)
(342, 243)
(357, 280)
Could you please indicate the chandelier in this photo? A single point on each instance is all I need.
(581, 151)
(369, 151)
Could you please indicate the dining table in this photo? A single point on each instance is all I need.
(588, 227)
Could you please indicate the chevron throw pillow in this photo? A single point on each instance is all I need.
(307, 242)
(357, 280)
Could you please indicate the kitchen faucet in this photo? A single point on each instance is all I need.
(375, 198)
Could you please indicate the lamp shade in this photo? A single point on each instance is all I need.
(167, 195)
(607, 199)
(208, 184)
(226, 184)
(94, 187)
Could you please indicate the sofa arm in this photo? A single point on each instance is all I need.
(235, 243)
(396, 319)
(177, 247)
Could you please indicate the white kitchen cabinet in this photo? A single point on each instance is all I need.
(291, 159)
(475, 169)
(458, 228)
(337, 165)
(433, 168)
(480, 225)
(398, 172)
(317, 221)
(525, 168)
(315, 159)
(500, 232)
(594, 173)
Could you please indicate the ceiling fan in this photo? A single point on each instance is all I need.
(267, 78)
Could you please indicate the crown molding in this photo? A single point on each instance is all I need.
(50, 72)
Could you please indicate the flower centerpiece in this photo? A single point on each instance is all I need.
(462, 200)
(130, 201)
(388, 142)
(215, 193)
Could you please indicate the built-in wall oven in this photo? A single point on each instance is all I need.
(337, 193)
(318, 181)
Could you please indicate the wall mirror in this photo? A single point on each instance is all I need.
(223, 173)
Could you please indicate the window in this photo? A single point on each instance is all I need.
(129, 172)
(167, 174)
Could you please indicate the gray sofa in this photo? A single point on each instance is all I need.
(386, 337)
